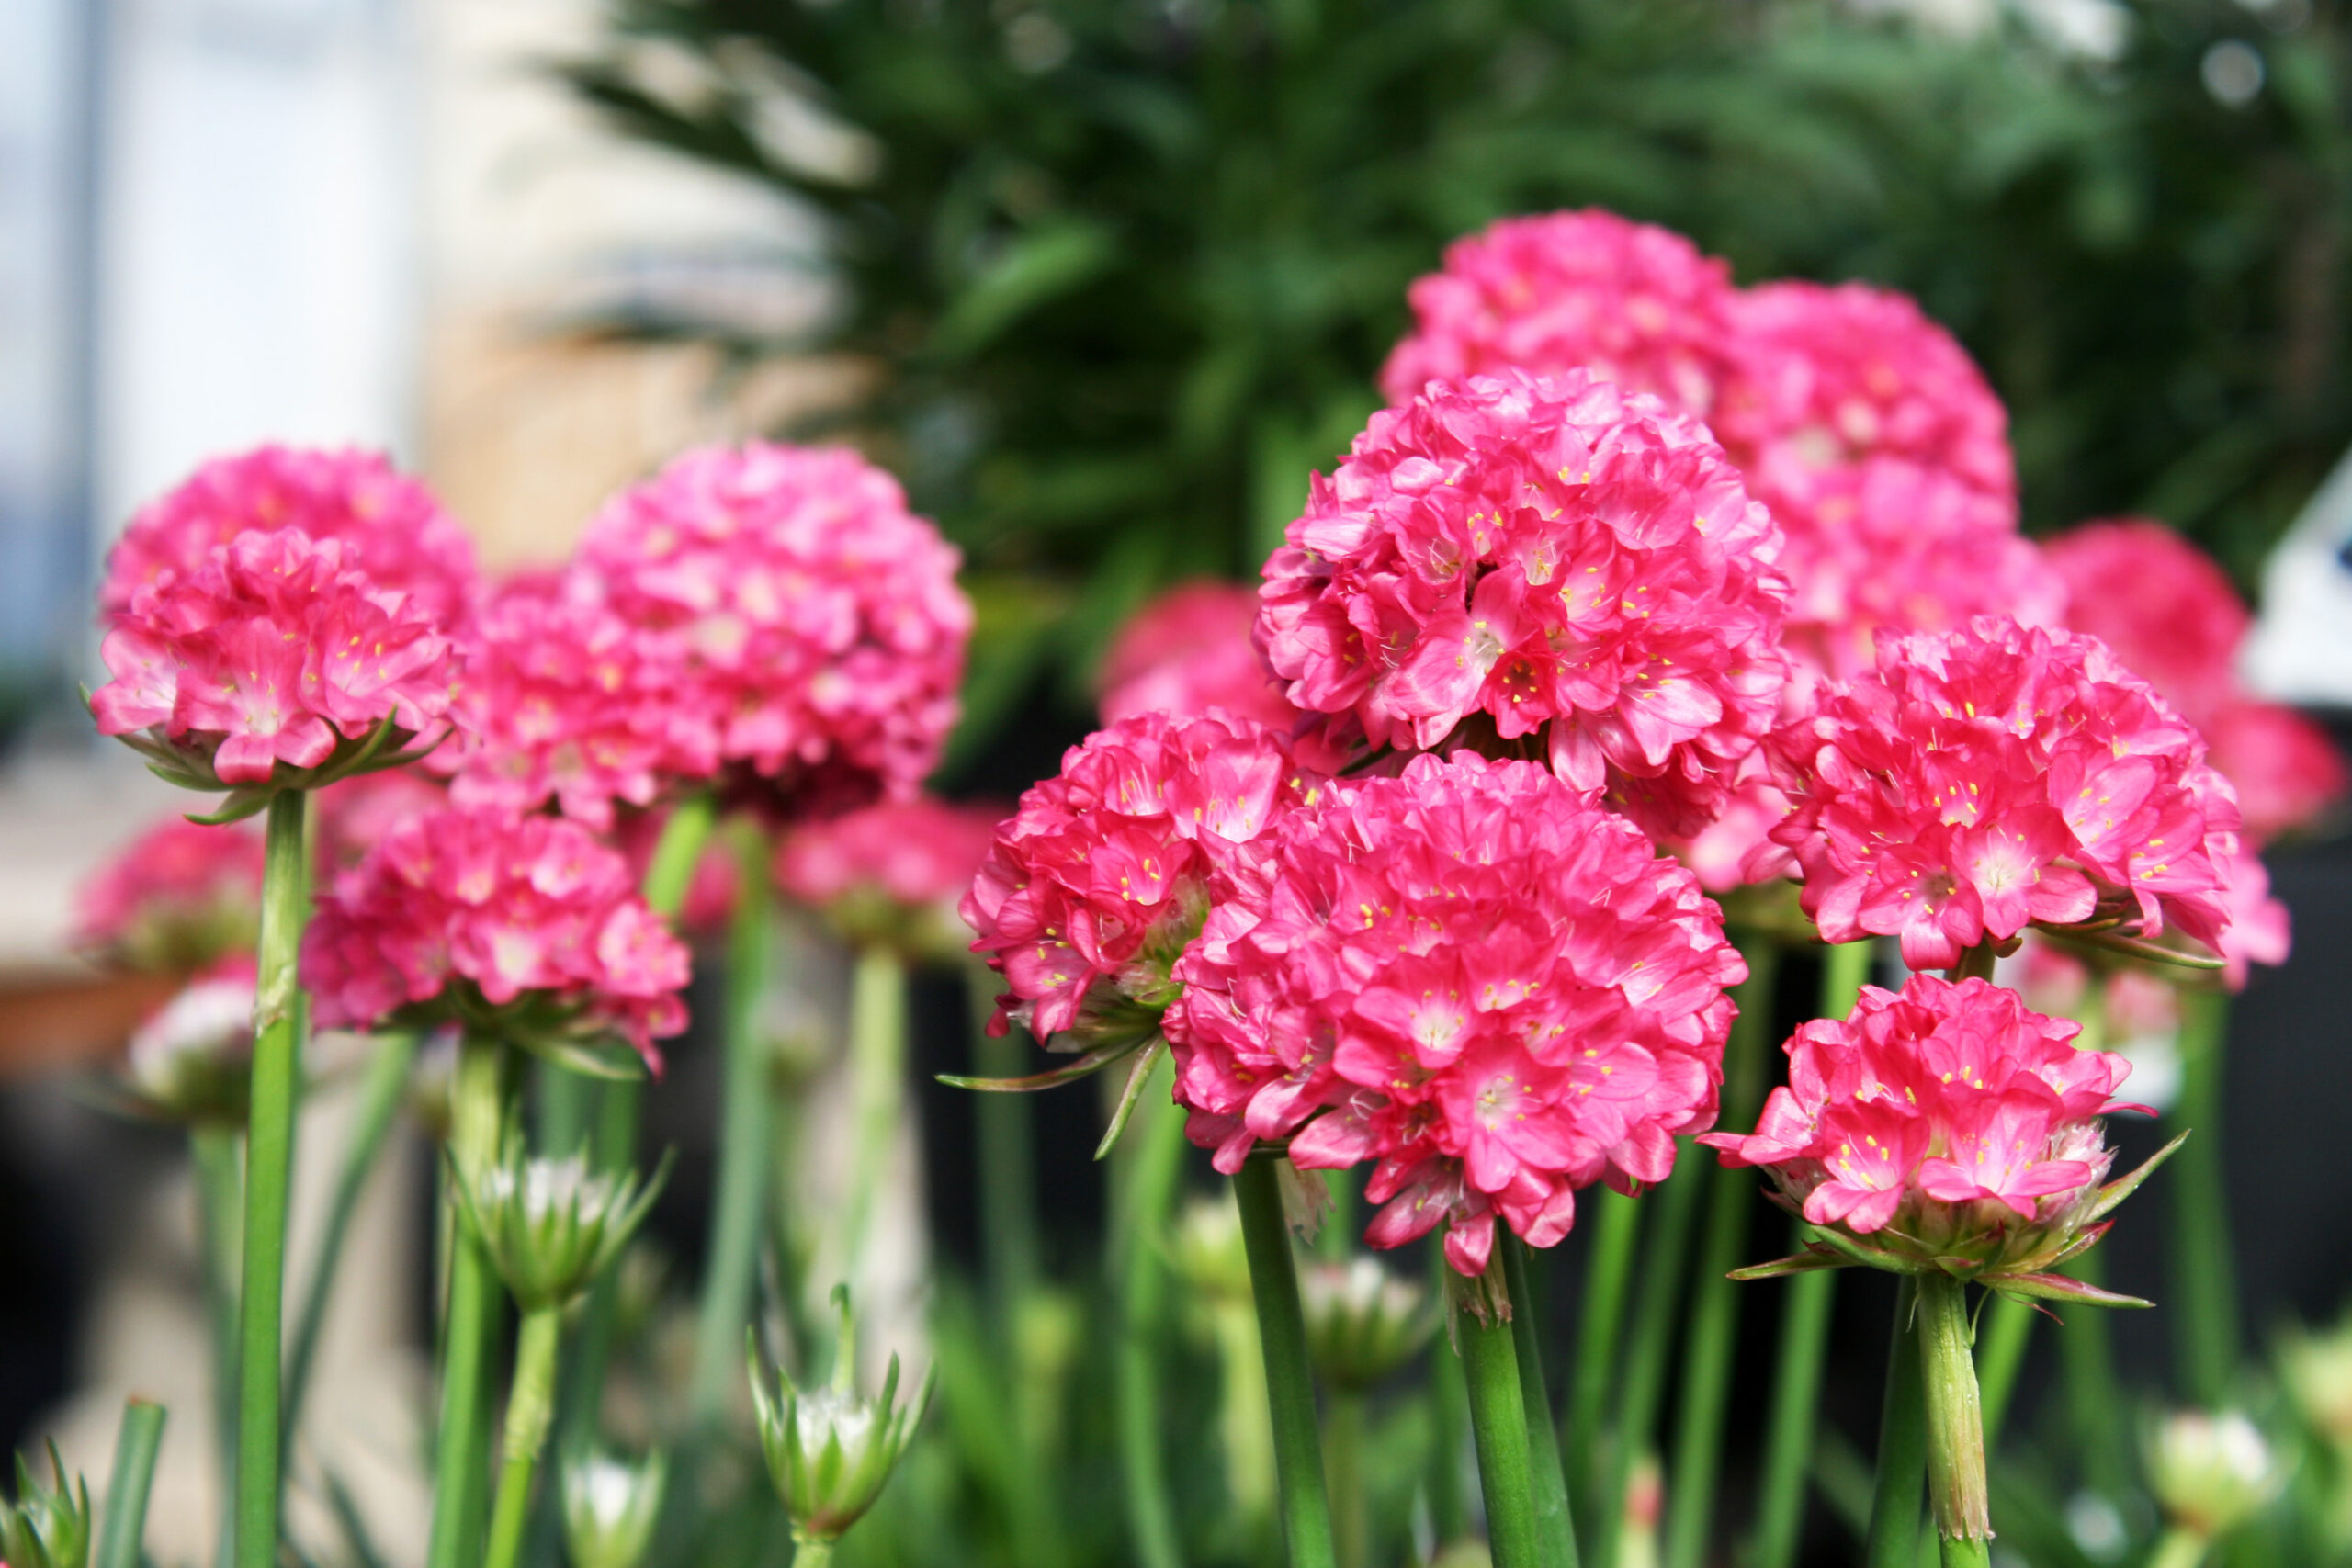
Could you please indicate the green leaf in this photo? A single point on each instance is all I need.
(1034, 269)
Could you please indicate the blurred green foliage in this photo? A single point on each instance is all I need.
(1128, 266)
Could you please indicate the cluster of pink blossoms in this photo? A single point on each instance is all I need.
(1188, 651)
(1098, 882)
(803, 625)
(2170, 613)
(1565, 564)
(1471, 975)
(1949, 1121)
(529, 925)
(1997, 776)
(177, 898)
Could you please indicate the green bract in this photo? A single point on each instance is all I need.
(830, 1450)
(47, 1526)
(610, 1507)
(550, 1226)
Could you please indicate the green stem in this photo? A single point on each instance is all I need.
(269, 1163)
(1498, 1417)
(1609, 1275)
(469, 1333)
(746, 1117)
(2177, 1548)
(678, 851)
(1555, 1529)
(2094, 1394)
(1976, 963)
(1150, 1158)
(1448, 1425)
(1344, 1420)
(2204, 1279)
(1290, 1392)
(1902, 1447)
(1663, 1259)
(877, 1056)
(2008, 1327)
(530, 1407)
(219, 1194)
(134, 1475)
(381, 1093)
(813, 1554)
(1008, 1163)
(1956, 1488)
(1715, 1309)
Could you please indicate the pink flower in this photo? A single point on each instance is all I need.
(356, 813)
(529, 926)
(1632, 303)
(2259, 931)
(2287, 771)
(179, 897)
(275, 649)
(391, 527)
(1996, 777)
(1188, 651)
(1553, 564)
(718, 879)
(1945, 1125)
(812, 624)
(1469, 973)
(1101, 878)
(893, 872)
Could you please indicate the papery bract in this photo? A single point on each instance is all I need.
(177, 898)
(1470, 974)
(1188, 651)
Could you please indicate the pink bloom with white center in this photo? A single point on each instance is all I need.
(177, 898)
(1101, 878)
(1630, 302)
(1554, 565)
(276, 649)
(2000, 776)
(1947, 1124)
(1188, 651)
(812, 623)
(1471, 975)
(391, 527)
(530, 926)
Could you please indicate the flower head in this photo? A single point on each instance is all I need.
(179, 897)
(2211, 1473)
(830, 1450)
(812, 625)
(528, 925)
(391, 527)
(890, 873)
(1470, 974)
(2287, 772)
(1547, 564)
(1944, 1126)
(610, 1507)
(46, 1527)
(356, 813)
(550, 1227)
(276, 662)
(1996, 777)
(1188, 651)
(1634, 303)
(192, 1059)
(1364, 1322)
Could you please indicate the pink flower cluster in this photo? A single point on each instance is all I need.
(1471, 975)
(529, 925)
(915, 853)
(2171, 614)
(179, 896)
(1094, 887)
(1944, 1111)
(807, 627)
(1997, 776)
(1188, 651)
(1572, 569)
(276, 648)
(391, 527)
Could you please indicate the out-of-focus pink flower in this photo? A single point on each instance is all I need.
(2259, 930)
(277, 649)
(1100, 879)
(1567, 571)
(2287, 771)
(1188, 651)
(1946, 1125)
(180, 896)
(528, 925)
(1494, 988)
(1630, 302)
(2000, 776)
(811, 625)
(391, 527)
(356, 814)
(894, 872)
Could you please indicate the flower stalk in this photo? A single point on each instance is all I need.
(1902, 1444)
(220, 1209)
(270, 1157)
(877, 1051)
(1482, 1333)
(469, 1332)
(1655, 1317)
(1955, 1423)
(2204, 1279)
(1609, 1277)
(135, 1447)
(530, 1410)
(1555, 1527)
(1281, 1334)
(1144, 1187)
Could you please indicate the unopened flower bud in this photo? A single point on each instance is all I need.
(830, 1450)
(192, 1060)
(551, 1226)
(1207, 1251)
(1362, 1322)
(2211, 1473)
(2317, 1371)
(46, 1527)
(609, 1508)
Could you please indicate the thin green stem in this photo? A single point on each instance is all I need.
(1007, 1162)
(1902, 1446)
(1664, 1257)
(1448, 1425)
(2094, 1393)
(1344, 1419)
(813, 1554)
(530, 1408)
(1956, 1485)
(470, 1331)
(877, 1057)
(746, 1118)
(219, 1207)
(269, 1168)
(1555, 1528)
(1976, 963)
(1609, 1277)
(678, 851)
(1149, 1159)
(1796, 1399)
(382, 1091)
(1715, 1308)
(135, 1447)
(1290, 1390)
(1498, 1417)
(2204, 1278)
(2008, 1327)
(2177, 1548)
